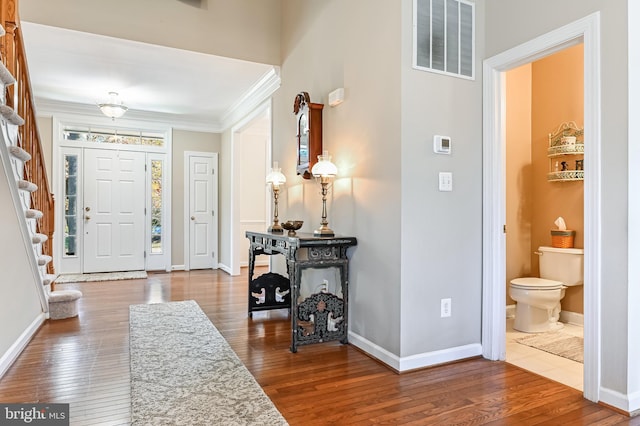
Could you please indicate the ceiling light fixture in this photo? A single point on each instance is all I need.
(114, 108)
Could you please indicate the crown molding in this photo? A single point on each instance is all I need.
(260, 92)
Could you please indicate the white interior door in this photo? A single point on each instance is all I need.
(202, 211)
(114, 201)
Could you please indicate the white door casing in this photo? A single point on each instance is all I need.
(201, 216)
(587, 31)
(113, 213)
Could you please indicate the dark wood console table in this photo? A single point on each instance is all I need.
(319, 311)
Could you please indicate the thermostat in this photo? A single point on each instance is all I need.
(441, 144)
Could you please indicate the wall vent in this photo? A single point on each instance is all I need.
(444, 37)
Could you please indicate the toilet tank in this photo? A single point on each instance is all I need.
(562, 264)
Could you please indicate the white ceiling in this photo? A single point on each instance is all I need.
(72, 71)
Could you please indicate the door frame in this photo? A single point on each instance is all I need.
(187, 204)
(236, 170)
(59, 121)
(586, 31)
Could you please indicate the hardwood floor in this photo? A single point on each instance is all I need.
(84, 361)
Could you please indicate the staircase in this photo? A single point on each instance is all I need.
(22, 153)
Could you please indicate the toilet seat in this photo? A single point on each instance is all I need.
(533, 283)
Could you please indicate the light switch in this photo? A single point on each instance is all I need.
(445, 181)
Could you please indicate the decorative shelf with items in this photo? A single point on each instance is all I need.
(566, 153)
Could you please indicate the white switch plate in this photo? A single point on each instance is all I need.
(445, 181)
(445, 308)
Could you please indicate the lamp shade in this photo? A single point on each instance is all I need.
(324, 167)
(275, 176)
(113, 108)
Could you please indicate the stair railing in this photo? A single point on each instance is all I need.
(20, 98)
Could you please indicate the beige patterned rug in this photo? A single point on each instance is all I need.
(183, 372)
(102, 276)
(557, 343)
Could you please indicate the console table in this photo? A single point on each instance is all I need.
(318, 313)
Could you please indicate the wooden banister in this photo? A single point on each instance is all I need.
(20, 98)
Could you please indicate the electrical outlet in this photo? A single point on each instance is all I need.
(445, 308)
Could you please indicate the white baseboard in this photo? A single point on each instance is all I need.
(413, 362)
(574, 318)
(225, 268)
(627, 403)
(566, 317)
(18, 346)
(177, 267)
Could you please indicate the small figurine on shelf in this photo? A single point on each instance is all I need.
(564, 166)
(579, 164)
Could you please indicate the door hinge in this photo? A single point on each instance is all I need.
(145, 167)
(145, 254)
(213, 171)
(145, 211)
(504, 229)
(213, 254)
(213, 213)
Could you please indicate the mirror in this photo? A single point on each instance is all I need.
(309, 133)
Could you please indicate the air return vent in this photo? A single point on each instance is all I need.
(443, 37)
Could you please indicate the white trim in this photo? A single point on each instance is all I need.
(629, 403)
(427, 359)
(234, 220)
(586, 30)
(633, 216)
(568, 317)
(260, 92)
(177, 267)
(225, 268)
(14, 351)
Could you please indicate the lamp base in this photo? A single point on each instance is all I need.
(323, 231)
(275, 229)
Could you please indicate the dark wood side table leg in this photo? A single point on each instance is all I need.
(252, 262)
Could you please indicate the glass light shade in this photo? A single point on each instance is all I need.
(275, 176)
(324, 167)
(114, 108)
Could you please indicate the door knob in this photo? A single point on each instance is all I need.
(87, 209)
(87, 217)
(193, 218)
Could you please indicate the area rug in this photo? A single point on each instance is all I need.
(557, 343)
(102, 276)
(183, 372)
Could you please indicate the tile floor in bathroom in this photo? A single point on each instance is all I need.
(551, 366)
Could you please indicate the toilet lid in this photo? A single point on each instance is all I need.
(532, 283)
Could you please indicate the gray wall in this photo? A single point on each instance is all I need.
(241, 29)
(360, 52)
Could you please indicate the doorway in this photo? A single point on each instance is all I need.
(584, 31)
(201, 210)
(250, 205)
(112, 198)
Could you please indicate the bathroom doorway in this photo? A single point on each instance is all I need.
(587, 32)
(543, 97)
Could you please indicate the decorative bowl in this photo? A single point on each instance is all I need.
(292, 226)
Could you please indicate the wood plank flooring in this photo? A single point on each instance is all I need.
(84, 361)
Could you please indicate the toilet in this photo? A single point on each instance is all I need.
(538, 299)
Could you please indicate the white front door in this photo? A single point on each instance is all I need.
(202, 211)
(113, 213)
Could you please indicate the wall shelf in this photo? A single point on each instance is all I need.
(566, 153)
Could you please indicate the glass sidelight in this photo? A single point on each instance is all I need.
(156, 206)
(70, 205)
